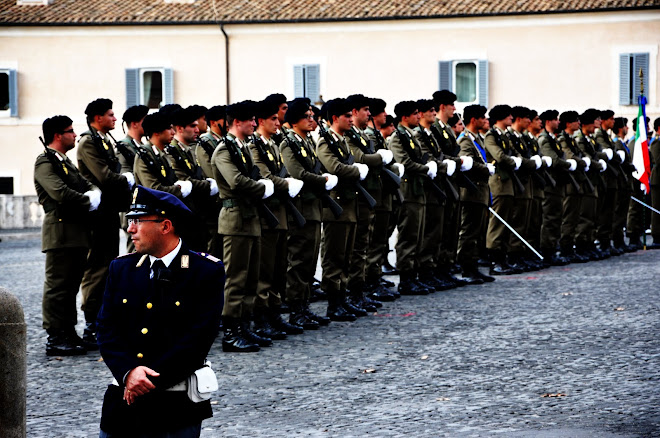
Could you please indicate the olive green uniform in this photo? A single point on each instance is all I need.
(636, 221)
(65, 236)
(535, 222)
(607, 201)
(127, 148)
(152, 169)
(586, 227)
(624, 191)
(240, 226)
(99, 165)
(203, 152)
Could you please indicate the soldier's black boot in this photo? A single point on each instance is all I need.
(357, 299)
(499, 266)
(276, 321)
(263, 328)
(89, 337)
(378, 293)
(299, 318)
(316, 293)
(408, 285)
(388, 269)
(336, 310)
(233, 340)
(252, 337)
(471, 274)
(322, 320)
(59, 343)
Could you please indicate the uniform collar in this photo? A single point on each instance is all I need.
(167, 258)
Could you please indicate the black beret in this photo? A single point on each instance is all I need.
(337, 107)
(405, 108)
(241, 111)
(216, 113)
(156, 122)
(589, 116)
(453, 120)
(297, 109)
(169, 109)
(98, 107)
(198, 111)
(389, 120)
(424, 105)
(265, 109)
(606, 114)
(549, 115)
(135, 113)
(569, 117)
(357, 101)
(520, 112)
(474, 112)
(444, 97)
(619, 123)
(533, 114)
(377, 106)
(500, 112)
(276, 98)
(183, 117)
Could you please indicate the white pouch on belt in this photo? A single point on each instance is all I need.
(202, 383)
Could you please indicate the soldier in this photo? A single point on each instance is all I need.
(474, 204)
(507, 162)
(159, 318)
(279, 100)
(240, 228)
(272, 264)
(607, 200)
(98, 164)
(67, 198)
(456, 124)
(654, 151)
(625, 186)
(418, 170)
(301, 161)
(636, 221)
(554, 196)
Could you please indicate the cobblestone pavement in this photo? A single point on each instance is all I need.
(476, 361)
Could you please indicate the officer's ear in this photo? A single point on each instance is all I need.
(168, 226)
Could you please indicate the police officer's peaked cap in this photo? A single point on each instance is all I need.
(549, 115)
(444, 97)
(198, 110)
(606, 114)
(216, 113)
(405, 108)
(377, 106)
(357, 101)
(589, 116)
(156, 122)
(241, 111)
(297, 109)
(266, 109)
(569, 117)
(499, 112)
(520, 112)
(135, 113)
(424, 105)
(149, 201)
(184, 117)
(276, 98)
(98, 107)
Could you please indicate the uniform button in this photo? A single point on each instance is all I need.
(140, 355)
(145, 331)
(60, 220)
(149, 305)
(124, 301)
(177, 304)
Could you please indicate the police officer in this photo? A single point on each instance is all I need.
(67, 198)
(159, 318)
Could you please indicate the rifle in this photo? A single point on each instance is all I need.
(55, 161)
(162, 174)
(298, 218)
(255, 175)
(517, 185)
(334, 147)
(392, 182)
(126, 152)
(191, 169)
(111, 160)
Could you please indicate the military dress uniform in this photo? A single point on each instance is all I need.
(127, 148)
(98, 164)
(607, 201)
(624, 191)
(65, 237)
(586, 227)
(573, 197)
(204, 149)
(636, 221)
(535, 223)
(152, 170)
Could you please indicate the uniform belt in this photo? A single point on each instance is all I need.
(181, 386)
(228, 203)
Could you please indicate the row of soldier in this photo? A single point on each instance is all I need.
(276, 184)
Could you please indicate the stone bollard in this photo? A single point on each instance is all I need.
(13, 338)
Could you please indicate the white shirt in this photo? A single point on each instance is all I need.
(166, 259)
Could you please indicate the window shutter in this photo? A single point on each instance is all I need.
(640, 62)
(624, 79)
(313, 82)
(168, 86)
(13, 93)
(445, 75)
(132, 87)
(483, 82)
(298, 81)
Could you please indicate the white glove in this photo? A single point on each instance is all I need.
(603, 164)
(186, 187)
(363, 168)
(130, 178)
(491, 168)
(331, 181)
(270, 187)
(537, 160)
(643, 188)
(621, 155)
(548, 161)
(295, 185)
(433, 169)
(94, 199)
(573, 164)
(214, 186)
(609, 152)
(466, 163)
(518, 162)
(451, 166)
(386, 155)
(399, 167)
(588, 161)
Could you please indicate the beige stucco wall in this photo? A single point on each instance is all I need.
(558, 61)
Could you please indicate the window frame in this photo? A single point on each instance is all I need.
(141, 72)
(12, 92)
(454, 82)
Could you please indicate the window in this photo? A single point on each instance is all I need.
(8, 93)
(6, 185)
(152, 87)
(468, 79)
(630, 86)
(306, 81)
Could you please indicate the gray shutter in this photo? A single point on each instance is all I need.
(298, 81)
(132, 87)
(13, 93)
(640, 62)
(445, 75)
(168, 85)
(313, 82)
(624, 79)
(483, 82)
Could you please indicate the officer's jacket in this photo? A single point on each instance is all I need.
(385, 201)
(204, 151)
(550, 147)
(161, 177)
(184, 163)
(431, 147)
(603, 141)
(127, 150)
(479, 173)
(169, 329)
(344, 192)
(240, 194)
(587, 146)
(533, 147)
(445, 135)
(299, 157)
(499, 150)
(571, 151)
(408, 152)
(364, 151)
(60, 192)
(626, 166)
(527, 167)
(270, 158)
(94, 163)
(654, 150)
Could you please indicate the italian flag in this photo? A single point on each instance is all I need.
(641, 159)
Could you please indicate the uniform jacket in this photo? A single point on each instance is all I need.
(587, 146)
(603, 141)
(60, 192)
(168, 329)
(385, 201)
(654, 151)
(533, 147)
(479, 173)
(408, 152)
(364, 150)
(431, 147)
(527, 167)
(550, 147)
(162, 178)
(571, 151)
(445, 135)
(272, 158)
(204, 149)
(498, 150)
(126, 152)
(626, 166)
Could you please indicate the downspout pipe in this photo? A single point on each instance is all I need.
(222, 29)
